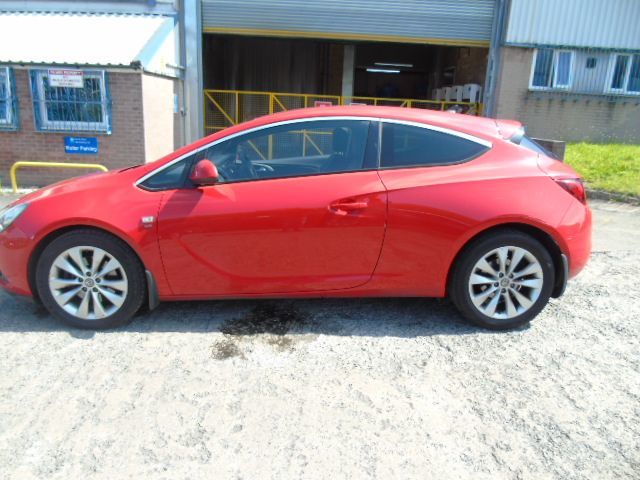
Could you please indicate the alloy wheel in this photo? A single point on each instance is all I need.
(88, 282)
(505, 282)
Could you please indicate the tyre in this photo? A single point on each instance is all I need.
(90, 279)
(502, 280)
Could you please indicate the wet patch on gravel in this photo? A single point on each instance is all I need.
(225, 349)
(276, 319)
(268, 323)
(281, 343)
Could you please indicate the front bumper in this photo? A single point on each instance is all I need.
(15, 249)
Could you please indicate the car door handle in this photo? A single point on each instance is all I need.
(342, 208)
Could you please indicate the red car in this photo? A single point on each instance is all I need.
(350, 201)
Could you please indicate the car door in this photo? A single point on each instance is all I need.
(299, 208)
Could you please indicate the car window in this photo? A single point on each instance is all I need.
(410, 146)
(168, 178)
(294, 149)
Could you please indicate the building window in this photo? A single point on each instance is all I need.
(8, 100)
(624, 74)
(71, 100)
(552, 69)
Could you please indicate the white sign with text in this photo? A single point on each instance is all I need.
(66, 78)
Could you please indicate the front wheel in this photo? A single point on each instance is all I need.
(503, 280)
(90, 279)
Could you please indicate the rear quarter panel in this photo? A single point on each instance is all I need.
(434, 211)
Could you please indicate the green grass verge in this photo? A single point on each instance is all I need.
(610, 167)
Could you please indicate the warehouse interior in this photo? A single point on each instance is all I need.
(300, 65)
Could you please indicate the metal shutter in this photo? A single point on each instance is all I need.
(446, 22)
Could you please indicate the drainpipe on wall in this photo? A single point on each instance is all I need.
(493, 64)
(192, 60)
(179, 106)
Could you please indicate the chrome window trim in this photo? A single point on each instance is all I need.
(427, 126)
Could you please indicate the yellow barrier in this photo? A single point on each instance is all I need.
(225, 108)
(469, 108)
(15, 166)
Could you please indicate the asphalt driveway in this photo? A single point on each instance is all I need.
(384, 388)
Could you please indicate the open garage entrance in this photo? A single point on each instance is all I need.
(245, 77)
(279, 55)
(420, 72)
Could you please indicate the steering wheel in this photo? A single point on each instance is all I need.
(237, 166)
(262, 167)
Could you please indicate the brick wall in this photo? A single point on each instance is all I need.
(565, 116)
(125, 146)
(471, 65)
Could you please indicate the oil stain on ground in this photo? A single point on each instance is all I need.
(225, 349)
(272, 321)
(266, 318)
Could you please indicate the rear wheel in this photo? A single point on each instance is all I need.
(503, 280)
(90, 279)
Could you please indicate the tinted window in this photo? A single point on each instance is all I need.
(296, 149)
(408, 146)
(169, 178)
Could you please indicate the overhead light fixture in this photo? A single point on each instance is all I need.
(399, 65)
(382, 70)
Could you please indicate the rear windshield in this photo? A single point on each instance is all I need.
(534, 146)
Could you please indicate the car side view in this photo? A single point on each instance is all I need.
(350, 201)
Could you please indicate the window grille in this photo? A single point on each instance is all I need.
(72, 109)
(8, 100)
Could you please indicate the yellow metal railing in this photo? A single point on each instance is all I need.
(225, 108)
(15, 166)
(470, 108)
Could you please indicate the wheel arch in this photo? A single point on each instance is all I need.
(546, 239)
(51, 236)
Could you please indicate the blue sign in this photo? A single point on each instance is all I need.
(81, 145)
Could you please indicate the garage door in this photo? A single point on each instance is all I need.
(440, 22)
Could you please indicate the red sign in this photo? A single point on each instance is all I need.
(320, 103)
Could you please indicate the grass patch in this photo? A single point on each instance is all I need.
(610, 167)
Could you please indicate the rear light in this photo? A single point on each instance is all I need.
(574, 186)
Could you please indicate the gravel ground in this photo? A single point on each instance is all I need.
(385, 388)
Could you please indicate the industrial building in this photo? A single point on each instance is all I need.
(571, 70)
(157, 74)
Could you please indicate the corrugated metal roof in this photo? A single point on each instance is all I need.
(411, 20)
(614, 24)
(76, 39)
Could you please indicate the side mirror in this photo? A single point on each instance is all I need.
(204, 173)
